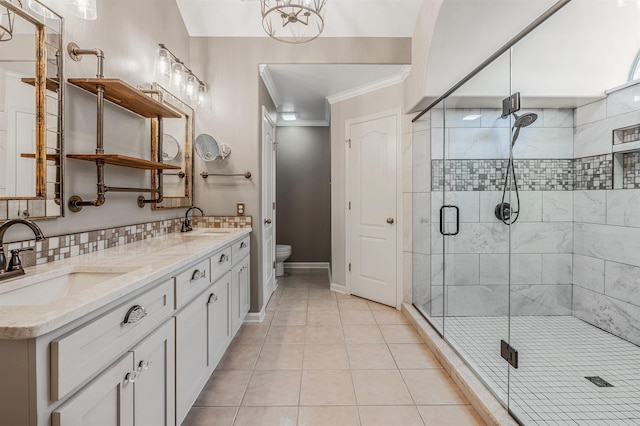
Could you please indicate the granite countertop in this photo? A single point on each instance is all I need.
(133, 266)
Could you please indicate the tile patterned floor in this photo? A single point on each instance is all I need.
(326, 359)
(555, 354)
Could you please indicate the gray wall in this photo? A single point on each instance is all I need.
(303, 192)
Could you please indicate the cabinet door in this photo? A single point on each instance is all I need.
(192, 366)
(218, 319)
(240, 298)
(106, 401)
(154, 388)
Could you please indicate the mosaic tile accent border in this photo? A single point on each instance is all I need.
(588, 173)
(488, 175)
(69, 245)
(631, 170)
(594, 172)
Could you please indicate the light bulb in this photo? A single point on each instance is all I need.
(85, 9)
(178, 76)
(202, 95)
(191, 88)
(163, 64)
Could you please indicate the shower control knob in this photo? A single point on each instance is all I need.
(390, 221)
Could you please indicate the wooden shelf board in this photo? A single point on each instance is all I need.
(52, 83)
(50, 157)
(124, 161)
(126, 96)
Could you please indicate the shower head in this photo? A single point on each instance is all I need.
(525, 119)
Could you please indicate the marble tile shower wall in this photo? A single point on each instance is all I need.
(541, 240)
(69, 245)
(606, 278)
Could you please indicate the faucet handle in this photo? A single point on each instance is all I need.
(15, 263)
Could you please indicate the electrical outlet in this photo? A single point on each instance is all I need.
(240, 209)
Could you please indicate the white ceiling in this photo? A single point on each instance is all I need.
(304, 88)
(343, 18)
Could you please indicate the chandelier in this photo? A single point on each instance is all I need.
(293, 21)
(7, 17)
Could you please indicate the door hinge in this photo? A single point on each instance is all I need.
(349, 267)
(273, 144)
(511, 105)
(509, 353)
(274, 265)
(349, 205)
(349, 142)
(274, 205)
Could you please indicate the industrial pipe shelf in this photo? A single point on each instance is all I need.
(124, 161)
(126, 96)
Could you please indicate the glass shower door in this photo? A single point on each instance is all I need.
(470, 244)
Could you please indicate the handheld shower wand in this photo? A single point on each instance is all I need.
(503, 211)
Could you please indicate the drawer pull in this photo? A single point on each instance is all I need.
(212, 298)
(135, 314)
(131, 377)
(223, 258)
(243, 245)
(144, 365)
(198, 274)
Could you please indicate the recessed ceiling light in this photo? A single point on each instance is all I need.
(471, 117)
(289, 116)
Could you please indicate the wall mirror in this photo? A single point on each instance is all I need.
(31, 113)
(177, 142)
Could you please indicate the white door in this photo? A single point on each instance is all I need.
(268, 206)
(372, 192)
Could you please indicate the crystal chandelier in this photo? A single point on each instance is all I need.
(293, 21)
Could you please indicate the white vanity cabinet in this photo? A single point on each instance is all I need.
(137, 390)
(142, 358)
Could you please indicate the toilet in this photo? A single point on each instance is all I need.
(282, 253)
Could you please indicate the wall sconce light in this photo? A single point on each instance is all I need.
(169, 68)
(39, 9)
(85, 9)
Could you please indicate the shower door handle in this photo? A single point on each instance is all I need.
(442, 214)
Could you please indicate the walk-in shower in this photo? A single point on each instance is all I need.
(556, 289)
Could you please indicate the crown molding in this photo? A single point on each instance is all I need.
(271, 87)
(303, 123)
(370, 87)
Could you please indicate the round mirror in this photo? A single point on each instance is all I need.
(207, 148)
(170, 147)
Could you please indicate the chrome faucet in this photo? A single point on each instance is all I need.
(14, 267)
(186, 223)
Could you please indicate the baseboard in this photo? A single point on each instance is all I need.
(486, 404)
(306, 265)
(255, 317)
(338, 288)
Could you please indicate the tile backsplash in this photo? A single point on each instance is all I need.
(64, 246)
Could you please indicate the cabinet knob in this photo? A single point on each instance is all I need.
(135, 314)
(223, 258)
(243, 245)
(390, 221)
(267, 221)
(212, 298)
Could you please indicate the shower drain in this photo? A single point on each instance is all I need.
(599, 381)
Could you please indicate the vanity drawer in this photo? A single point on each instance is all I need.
(240, 249)
(88, 349)
(191, 282)
(220, 263)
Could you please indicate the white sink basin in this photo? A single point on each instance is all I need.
(49, 287)
(209, 232)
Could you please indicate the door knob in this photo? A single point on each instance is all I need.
(390, 221)
(267, 221)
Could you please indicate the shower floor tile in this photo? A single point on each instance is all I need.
(555, 354)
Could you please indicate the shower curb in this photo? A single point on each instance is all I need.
(492, 412)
